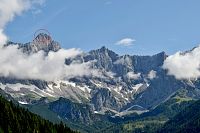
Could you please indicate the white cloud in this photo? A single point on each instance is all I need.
(132, 75)
(126, 42)
(152, 74)
(80, 70)
(14, 63)
(124, 60)
(184, 65)
(10, 8)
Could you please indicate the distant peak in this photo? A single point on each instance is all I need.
(104, 52)
(103, 48)
(41, 42)
(42, 34)
(43, 38)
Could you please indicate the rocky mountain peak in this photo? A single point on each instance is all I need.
(42, 36)
(103, 49)
(41, 42)
(44, 42)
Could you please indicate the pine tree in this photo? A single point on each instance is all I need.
(14, 119)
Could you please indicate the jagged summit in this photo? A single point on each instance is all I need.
(44, 42)
(104, 52)
(41, 42)
(103, 48)
(43, 38)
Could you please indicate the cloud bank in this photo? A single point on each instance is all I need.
(14, 63)
(184, 65)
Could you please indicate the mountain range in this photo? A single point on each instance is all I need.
(129, 88)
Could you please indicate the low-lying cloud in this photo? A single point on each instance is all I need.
(15, 63)
(184, 65)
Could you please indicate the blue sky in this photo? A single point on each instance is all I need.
(155, 25)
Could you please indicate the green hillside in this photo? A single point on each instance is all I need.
(14, 119)
(187, 121)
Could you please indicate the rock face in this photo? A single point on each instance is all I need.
(125, 83)
(72, 111)
(103, 98)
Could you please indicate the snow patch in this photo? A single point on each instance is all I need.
(22, 102)
(84, 89)
(96, 112)
(137, 86)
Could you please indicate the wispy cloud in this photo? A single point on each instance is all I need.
(14, 63)
(36, 9)
(125, 42)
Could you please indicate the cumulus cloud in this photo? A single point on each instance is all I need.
(184, 65)
(80, 70)
(14, 63)
(132, 75)
(152, 74)
(126, 42)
